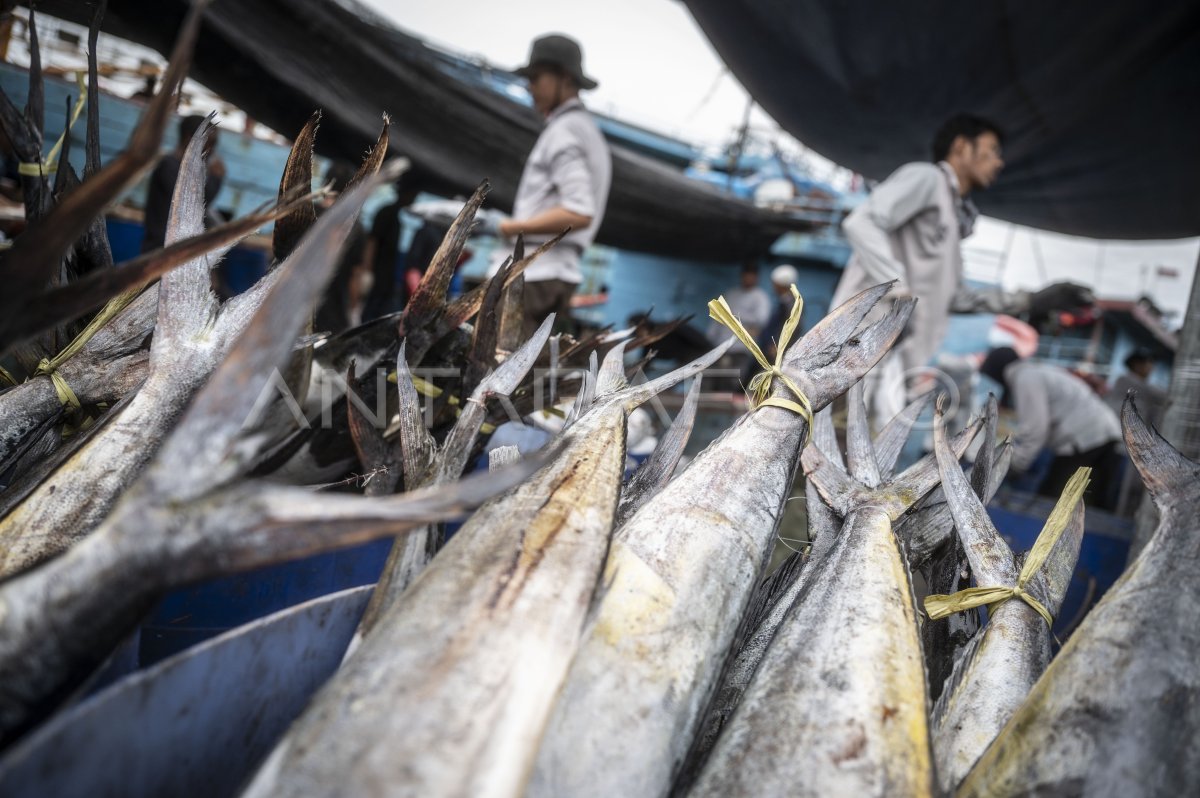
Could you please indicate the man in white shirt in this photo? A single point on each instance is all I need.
(752, 307)
(911, 229)
(565, 182)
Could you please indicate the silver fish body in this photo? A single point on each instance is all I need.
(1117, 712)
(679, 576)
(1001, 664)
(791, 579)
(450, 692)
(192, 335)
(838, 703)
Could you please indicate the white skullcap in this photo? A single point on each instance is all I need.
(784, 275)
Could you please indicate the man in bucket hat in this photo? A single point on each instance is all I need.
(565, 181)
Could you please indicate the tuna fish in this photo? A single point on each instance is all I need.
(192, 517)
(680, 574)
(451, 690)
(1002, 662)
(838, 704)
(777, 594)
(193, 333)
(1116, 712)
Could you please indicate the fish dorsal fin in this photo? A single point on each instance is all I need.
(890, 440)
(824, 437)
(860, 454)
(767, 595)
(481, 356)
(981, 469)
(657, 470)
(587, 392)
(612, 372)
(374, 158)
(297, 177)
(417, 448)
(186, 302)
(428, 301)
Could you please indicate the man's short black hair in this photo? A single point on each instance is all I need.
(1138, 356)
(967, 125)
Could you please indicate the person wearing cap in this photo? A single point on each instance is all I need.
(565, 181)
(1152, 400)
(910, 229)
(783, 277)
(1056, 410)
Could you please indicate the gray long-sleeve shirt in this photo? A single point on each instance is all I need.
(1055, 410)
(911, 229)
(570, 167)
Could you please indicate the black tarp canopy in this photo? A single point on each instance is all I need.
(280, 59)
(1101, 101)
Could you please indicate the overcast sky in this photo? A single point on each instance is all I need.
(656, 68)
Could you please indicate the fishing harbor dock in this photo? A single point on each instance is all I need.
(757, 505)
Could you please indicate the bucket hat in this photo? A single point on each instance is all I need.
(560, 51)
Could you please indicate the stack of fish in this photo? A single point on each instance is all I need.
(581, 634)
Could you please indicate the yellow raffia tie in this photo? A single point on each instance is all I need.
(49, 366)
(760, 385)
(65, 395)
(940, 606)
(6, 376)
(50, 165)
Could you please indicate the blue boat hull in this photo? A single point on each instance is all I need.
(197, 724)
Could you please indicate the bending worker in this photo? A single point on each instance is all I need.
(911, 229)
(1056, 410)
(565, 181)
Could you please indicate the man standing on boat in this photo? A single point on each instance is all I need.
(565, 181)
(911, 229)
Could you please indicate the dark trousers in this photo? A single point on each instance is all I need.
(1105, 462)
(544, 297)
